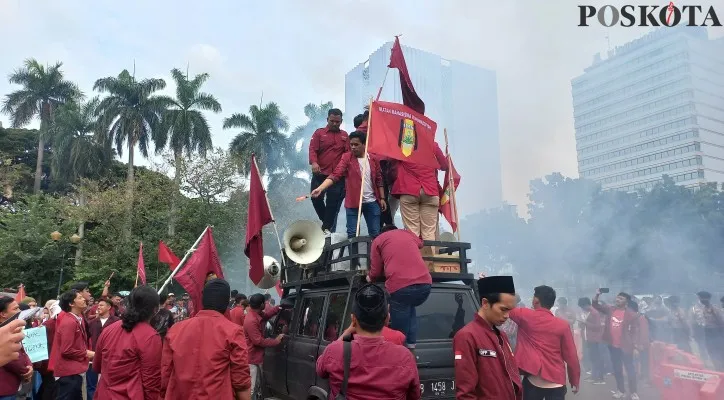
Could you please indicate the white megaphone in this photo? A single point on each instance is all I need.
(272, 271)
(304, 242)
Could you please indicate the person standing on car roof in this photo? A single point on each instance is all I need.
(485, 368)
(378, 369)
(545, 348)
(395, 254)
(255, 341)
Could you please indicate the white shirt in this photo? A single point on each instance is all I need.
(368, 191)
(103, 321)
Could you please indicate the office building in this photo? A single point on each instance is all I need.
(653, 107)
(460, 97)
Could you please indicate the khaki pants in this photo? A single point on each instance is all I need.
(255, 372)
(420, 216)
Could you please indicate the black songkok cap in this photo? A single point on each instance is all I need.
(496, 284)
(216, 295)
(370, 304)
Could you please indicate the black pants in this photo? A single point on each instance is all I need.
(47, 389)
(70, 388)
(621, 361)
(328, 204)
(594, 355)
(533, 392)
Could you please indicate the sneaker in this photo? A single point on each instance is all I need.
(599, 382)
(634, 396)
(618, 395)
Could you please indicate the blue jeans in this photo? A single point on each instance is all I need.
(13, 397)
(91, 381)
(403, 317)
(372, 213)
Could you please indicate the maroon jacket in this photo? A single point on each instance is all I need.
(485, 367)
(545, 346)
(349, 169)
(254, 330)
(378, 369)
(11, 374)
(630, 337)
(71, 340)
(326, 149)
(594, 326)
(95, 329)
(396, 255)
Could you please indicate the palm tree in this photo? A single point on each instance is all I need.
(187, 126)
(262, 134)
(80, 150)
(317, 115)
(44, 89)
(131, 114)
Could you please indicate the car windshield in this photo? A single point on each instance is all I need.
(444, 313)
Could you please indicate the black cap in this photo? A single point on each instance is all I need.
(216, 295)
(496, 284)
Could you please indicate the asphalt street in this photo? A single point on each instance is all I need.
(590, 391)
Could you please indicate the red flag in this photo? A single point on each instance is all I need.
(21, 293)
(166, 256)
(398, 132)
(409, 96)
(258, 216)
(203, 262)
(141, 266)
(446, 195)
(278, 287)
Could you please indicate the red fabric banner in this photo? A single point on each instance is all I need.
(396, 131)
(141, 266)
(259, 215)
(21, 293)
(446, 197)
(278, 287)
(202, 263)
(166, 256)
(409, 96)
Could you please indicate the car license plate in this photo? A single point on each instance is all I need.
(433, 388)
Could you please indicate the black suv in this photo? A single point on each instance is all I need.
(321, 311)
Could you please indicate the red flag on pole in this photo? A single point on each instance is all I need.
(278, 287)
(396, 131)
(446, 195)
(258, 216)
(193, 274)
(409, 96)
(166, 256)
(21, 293)
(141, 266)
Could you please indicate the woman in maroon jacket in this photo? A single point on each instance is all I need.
(128, 353)
(14, 372)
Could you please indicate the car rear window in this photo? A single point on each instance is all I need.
(444, 313)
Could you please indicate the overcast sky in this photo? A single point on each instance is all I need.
(297, 52)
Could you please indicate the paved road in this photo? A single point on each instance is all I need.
(603, 392)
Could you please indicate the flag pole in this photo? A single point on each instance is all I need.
(274, 222)
(183, 261)
(364, 169)
(451, 184)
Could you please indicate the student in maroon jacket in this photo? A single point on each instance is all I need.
(103, 319)
(485, 368)
(545, 349)
(395, 254)
(592, 331)
(621, 333)
(71, 340)
(16, 371)
(254, 322)
(379, 369)
(326, 148)
(128, 355)
(350, 169)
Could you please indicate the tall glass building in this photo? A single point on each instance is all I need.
(653, 107)
(460, 97)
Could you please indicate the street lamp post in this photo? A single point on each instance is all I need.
(56, 236)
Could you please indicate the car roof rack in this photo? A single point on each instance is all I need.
(345, 262)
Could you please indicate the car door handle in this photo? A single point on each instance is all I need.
(312, 357)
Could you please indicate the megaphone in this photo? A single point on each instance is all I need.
(304, 242)
(448, 237)
(272, 271)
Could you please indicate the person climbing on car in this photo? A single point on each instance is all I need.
(254, 322)
(378, 369)
(395, 254)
